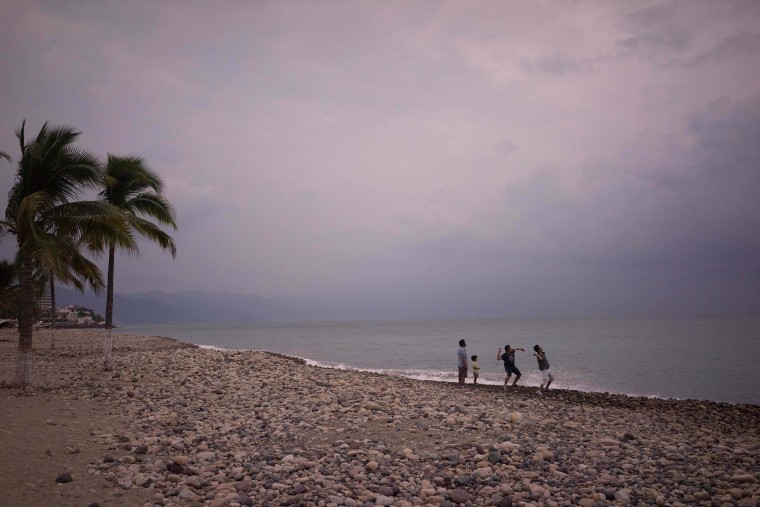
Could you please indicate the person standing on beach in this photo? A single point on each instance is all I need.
(508, 356)
(543, 365)
(462, 361)
(475, 369)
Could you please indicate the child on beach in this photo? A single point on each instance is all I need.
(475, 369)
(509, 363)
(543, 365)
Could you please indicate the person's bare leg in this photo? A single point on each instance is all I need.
(551, 379)
(517, 377)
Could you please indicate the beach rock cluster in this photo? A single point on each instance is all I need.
(254, 428)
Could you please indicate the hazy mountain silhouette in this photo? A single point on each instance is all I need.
(160, 307)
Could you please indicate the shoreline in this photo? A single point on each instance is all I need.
(608, 357)
(497, 385)
(184, 424)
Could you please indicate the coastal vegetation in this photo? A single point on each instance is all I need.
(54, 227)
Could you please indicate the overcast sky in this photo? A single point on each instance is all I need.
(426, 159)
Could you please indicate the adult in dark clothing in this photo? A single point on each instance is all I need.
(508, 356)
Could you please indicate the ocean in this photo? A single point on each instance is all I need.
(705, 359)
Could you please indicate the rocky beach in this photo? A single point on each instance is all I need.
(175, 424)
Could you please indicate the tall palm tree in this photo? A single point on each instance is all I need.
(51, 175)
(8, 289)
(131, 186)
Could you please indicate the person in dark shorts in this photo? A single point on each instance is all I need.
(543, 365)
(508, 356)
(462, 361)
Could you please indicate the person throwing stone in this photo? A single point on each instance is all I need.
(462, 361)
(508, 356)
(543, 365)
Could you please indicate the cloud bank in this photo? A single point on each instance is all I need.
(502, 159)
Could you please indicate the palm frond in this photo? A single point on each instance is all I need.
(155, 206)
(155, 234)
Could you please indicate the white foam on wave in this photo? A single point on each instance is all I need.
(532, 379)
(432, 375)
(214, 347)
(227, 349)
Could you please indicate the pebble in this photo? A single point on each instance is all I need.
(64, 478)
(459, 496)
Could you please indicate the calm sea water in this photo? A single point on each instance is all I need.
(709, 359)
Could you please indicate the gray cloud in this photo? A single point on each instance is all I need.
(558, 64)
(735, 46)
(675, 35)
(421, 159)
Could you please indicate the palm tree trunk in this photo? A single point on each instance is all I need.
(52, 311)
(108, 343)
(23, 376)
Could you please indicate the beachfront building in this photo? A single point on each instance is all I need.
(73, 314)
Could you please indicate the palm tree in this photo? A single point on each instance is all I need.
(75, 271)
(131, 186)
(51, 174)
(8, 289)
(7, 275)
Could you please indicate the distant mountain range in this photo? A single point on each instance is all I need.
(159, 307)
(190, 307)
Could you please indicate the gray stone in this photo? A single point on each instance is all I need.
(383, 500)
(64, 478)
(743, 478)
(186, 494)
(459, 496)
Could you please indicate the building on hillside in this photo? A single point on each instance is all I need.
(73, 314)
(44, 302)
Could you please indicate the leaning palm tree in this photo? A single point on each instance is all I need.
(131, 186)
(51, 175)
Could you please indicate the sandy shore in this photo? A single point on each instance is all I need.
(179, 425)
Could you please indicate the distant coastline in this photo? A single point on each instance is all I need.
(67, 325)
(12, 324)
